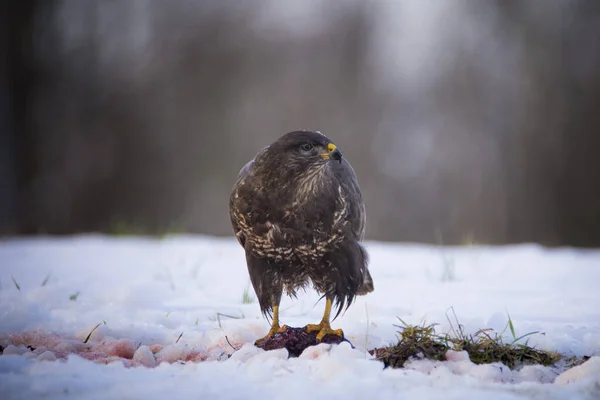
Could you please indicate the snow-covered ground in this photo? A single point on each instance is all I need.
(148, 294)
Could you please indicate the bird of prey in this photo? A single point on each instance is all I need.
(297, 211)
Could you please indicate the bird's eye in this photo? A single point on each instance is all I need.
(306, 147)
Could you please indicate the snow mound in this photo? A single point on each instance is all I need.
(589, 370)
(174, 322)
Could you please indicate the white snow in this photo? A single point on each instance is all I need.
(46, 356)
(169, 313)
(590, 370)
(143, 356)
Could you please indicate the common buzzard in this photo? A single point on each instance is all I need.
(298, 212)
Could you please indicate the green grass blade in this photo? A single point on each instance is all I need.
(524, 336)
(46, 279)
(87, 338)
(511, 327)
(16, 284)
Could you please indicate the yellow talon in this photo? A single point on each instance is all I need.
(275, 328)
(324, 328)
(324, 331)
(272, 332)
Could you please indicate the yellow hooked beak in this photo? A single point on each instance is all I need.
(332, 153)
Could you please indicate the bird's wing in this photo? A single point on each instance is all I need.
(244, 171)
(351, 202)
(358, 227)
(238, 220)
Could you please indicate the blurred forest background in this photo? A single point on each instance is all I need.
(464, 120)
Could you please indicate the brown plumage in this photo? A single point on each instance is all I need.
(298, 212)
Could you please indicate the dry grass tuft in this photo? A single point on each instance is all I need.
(413, 342)
(484, 347)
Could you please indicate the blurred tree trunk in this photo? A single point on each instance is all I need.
(19, 161)
(135, 115)
(8, 191)
(577, 187)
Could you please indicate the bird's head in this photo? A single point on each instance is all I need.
(303, 150)
(304, 159)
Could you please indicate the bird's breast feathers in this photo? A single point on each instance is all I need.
(294, 230)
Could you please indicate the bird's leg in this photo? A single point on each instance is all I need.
(275, 328)
(324, 328)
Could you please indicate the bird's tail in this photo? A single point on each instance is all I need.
(367, 285)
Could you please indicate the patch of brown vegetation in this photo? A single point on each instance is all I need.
(487, 347)
(414, 341)
(484, 347)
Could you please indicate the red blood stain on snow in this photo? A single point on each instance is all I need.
(195, 356)
(104, 351)
(155, 348)
(123, 348)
